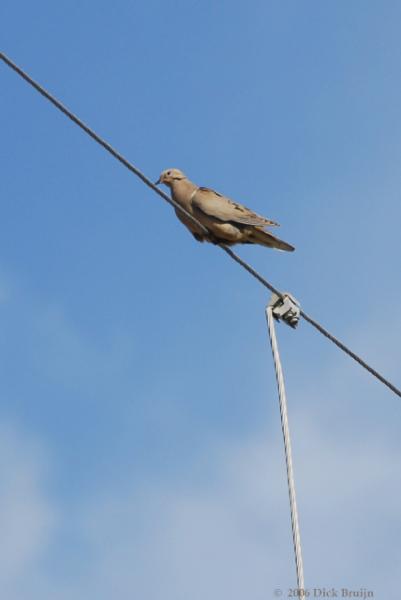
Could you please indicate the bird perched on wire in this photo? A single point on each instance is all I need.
(228, 222)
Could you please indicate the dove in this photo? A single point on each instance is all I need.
(228, 222)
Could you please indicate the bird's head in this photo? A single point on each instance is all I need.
(169, 175)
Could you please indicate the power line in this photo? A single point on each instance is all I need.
(98, 139)
(167, 198)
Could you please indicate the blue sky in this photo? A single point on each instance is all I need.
(141, 451)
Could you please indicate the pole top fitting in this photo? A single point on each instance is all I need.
(285, 308)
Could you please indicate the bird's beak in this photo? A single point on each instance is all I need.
(158, 182)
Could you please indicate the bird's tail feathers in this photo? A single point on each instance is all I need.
(265, 238)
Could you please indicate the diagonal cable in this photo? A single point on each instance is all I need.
(167, 198)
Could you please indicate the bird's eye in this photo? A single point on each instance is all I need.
(168, 172)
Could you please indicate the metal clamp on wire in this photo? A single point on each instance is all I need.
(285, 308)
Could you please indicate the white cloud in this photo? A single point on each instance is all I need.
(27, 518)
(222, 534)
(230, 537)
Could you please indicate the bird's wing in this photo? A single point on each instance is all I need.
(216, 205)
